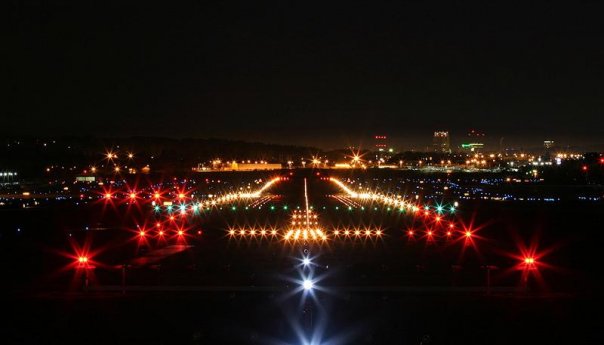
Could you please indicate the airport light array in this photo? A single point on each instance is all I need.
(305, 227)
(395, 201)
(180, 205)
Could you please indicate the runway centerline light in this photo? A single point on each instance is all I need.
(307, 284)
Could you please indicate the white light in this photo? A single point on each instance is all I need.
(307, 284)
(306, 261)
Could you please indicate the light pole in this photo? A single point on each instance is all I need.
(84, 264)
(530, 264)
(124, 267)
(488, 268)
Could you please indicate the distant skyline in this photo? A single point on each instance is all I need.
(325, 74)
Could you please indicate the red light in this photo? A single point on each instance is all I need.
(451, 226)
(181, 196)
(448, 233)
(83, 259)
(161, 233)
(429, 233)
(199, 232)
(468, 234)
(438, 219)
(601, 160)
(529, 260)
(171, 217)
(132, 195)
(180, 232)
(107, 195)
(156, 195)
(584, 168)
(410, 232)
(158, 224)
(426, 213)
(142, 233)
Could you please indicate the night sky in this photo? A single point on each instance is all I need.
(328, 75)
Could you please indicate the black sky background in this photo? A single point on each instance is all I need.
(320, 74)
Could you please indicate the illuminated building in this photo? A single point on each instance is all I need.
(382, 151)
(441, 141)
(472, 147)
(475, 141)
(475, 134)
(548, 144)
(380, 143)
(236, 166)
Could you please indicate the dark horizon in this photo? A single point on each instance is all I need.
(324, 75)
(365, 142)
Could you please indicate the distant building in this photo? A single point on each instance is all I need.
(85, 178)
(380, 143)
(236, 166)
(382, 151)
(548, 144)
(475, 134)
(475, 141)
(472, 147)
(441, 141)
(255, 166)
